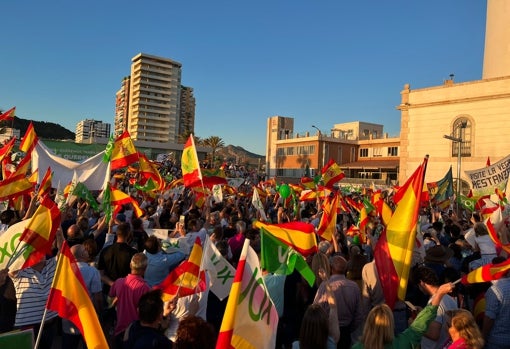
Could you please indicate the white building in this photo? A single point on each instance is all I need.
(89, 130)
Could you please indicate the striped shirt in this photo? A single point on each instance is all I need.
(32, 292)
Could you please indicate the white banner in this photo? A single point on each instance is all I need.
(9, 241)
(484, 181)
(220, 270)
(92, 172)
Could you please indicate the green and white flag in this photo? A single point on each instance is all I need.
(81, 191)
(467, 203)
(277, 257)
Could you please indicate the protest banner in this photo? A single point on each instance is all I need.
(484, 181)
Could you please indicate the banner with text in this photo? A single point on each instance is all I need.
(485, 180)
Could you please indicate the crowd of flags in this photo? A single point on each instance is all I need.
(284, 246)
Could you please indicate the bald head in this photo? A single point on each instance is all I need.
(80, 253)
(338, 265)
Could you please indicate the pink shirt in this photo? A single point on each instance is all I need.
(128, 290)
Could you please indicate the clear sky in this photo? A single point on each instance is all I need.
(321, 62)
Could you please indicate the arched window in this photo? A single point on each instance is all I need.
(462, 130)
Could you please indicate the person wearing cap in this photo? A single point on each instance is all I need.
(437, 332)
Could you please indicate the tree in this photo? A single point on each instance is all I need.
(215, 143)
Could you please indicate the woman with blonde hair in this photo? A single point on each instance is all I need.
(378, 332)
(464, 331)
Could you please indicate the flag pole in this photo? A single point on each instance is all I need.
(41, 327)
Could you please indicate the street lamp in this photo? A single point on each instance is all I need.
(323, 146)
(460, 126)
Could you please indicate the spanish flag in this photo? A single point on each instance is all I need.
(8, 115)
(70, 298)
(189, 164)
(41, 230)
(124, 152)
(149, 171)
(119, 198)
(187, 278)
(29, 141)
(331, 174)
(394, 249)
(45, 185)
(6, 149)
(487, 272)
(327, 225)
(298, 235)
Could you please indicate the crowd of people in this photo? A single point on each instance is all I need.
(121, 263)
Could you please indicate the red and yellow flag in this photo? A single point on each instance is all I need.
(299, 235)
(495, 238)
(13, 187)
(394, 249)
(124, 152)
(41, 230)
(119, 198)
(29, 141)
(327, 225)
(189, 164)
(8, 115)
(45, 186)
(487, 272)
(186, 278)
(250, 319)
(70, 298)
(6, 149)
(331, 174)
(149, 171)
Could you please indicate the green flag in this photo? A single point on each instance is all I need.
(81, 191)
(277, 257)
(109, 149)
(467, 203)
(148, 186)
(368, 205)
(106, 205)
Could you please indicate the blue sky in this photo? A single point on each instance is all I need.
(320, 62)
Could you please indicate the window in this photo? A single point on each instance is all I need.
(461, 129)
(392, 151)
(377, 152)
(363, 153)
(290, 150)
(366, 132)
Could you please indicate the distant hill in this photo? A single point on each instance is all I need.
(43, 129)
(237, 154)
(50, 130)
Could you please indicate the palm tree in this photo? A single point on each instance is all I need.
(215, 143)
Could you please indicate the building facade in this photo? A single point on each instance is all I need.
(89, 130)
(361, 149)
(154, 109)
(122, 107)
(461, 124)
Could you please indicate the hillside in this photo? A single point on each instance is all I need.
(50, 130)
(43, 129)
(237, 154)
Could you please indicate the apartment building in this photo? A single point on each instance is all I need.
(88, 130)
